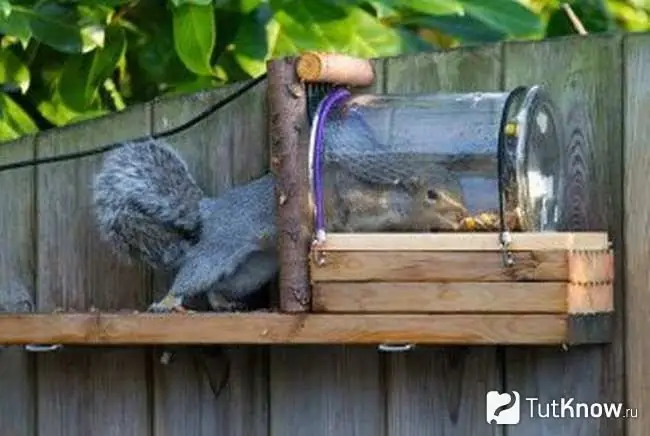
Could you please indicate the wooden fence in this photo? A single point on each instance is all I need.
(49, 243)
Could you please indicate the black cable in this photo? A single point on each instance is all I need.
(203, 115)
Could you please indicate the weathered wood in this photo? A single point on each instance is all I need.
(583, 76)
(229, 148)
(478, 297)
(285, 328)
(100, 391)
(637, 230)
(348, 380)
(463, 266)
(17, 266)
(463, 241)
(468, 69)
(288, 139)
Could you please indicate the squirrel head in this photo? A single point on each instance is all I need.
(437, 206)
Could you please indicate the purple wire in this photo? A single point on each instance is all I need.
(332, 98)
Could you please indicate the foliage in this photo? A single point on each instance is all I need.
(70, 60)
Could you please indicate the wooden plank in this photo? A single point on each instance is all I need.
(313, 388)
(583, 76)
(86, 391)
(17, 227)
(459, 266)
(499, 297)
(463, 241)
(283, 328)
(326, 390)
(463, 70)
(219, 153)
(637, 231)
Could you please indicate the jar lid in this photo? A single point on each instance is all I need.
(537, 152)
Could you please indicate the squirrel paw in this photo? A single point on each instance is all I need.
(169, 304)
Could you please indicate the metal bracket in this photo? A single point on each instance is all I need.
(395, 348)
(34, 348)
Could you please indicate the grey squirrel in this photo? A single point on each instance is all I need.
(148, 205)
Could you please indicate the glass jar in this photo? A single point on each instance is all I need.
(437, 162)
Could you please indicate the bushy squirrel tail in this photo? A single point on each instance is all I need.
(146, 203)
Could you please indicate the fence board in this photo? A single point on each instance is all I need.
(86, 391)
(583, 76)
(227, 148)
(637, 230)
(422, 381)
(16, 273)
(328, 390)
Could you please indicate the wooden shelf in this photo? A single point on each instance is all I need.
(99, 328)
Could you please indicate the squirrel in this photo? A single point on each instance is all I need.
(148, 205)
(377, 197)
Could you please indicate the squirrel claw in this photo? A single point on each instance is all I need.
(169, 304)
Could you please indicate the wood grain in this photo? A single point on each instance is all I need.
(477, 297)
(86, 391)
(463, 241)
(288, 139)
(583, 76)
(458, 266)
(349, 395)
(637, 231)
(230, 147)
(17, 272)
(463, 70)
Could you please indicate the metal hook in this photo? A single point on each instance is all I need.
(394, 348)
(42, 348)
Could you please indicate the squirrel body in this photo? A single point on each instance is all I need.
(380, 198)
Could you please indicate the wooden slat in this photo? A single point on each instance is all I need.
(277, 328)
(637, 231)
(219, 154)
(420, 266)
(98, 392)
(17, 259)
(325, 390)
(583, 75)
(463, 241)
(500, 297)
(451, 406)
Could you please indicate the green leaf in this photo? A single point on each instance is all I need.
(307, 25)
(14, 121)
(194, 36)
(5, 8)
(62, 27)
(434, 7)
(466, 28)
(507, 16)
(251, 47)
(16, 24)
(82, 75)
(593, 14)
(13, 71)
(178, 3)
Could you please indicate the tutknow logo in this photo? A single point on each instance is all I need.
(505, 408)
(502, 408)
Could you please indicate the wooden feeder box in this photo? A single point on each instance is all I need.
(542, 286)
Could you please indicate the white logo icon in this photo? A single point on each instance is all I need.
(502, 408)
